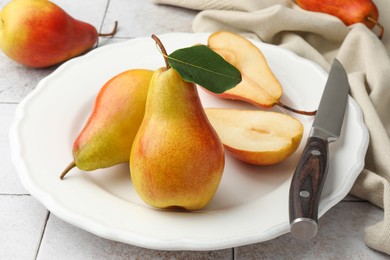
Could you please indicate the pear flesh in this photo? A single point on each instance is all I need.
(108, 134)
(177, 159)
(256, 137)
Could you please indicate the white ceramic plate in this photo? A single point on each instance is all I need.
(251, 204)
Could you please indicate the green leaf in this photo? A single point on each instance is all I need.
(201, 65)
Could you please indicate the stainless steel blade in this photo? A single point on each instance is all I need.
(330, 114)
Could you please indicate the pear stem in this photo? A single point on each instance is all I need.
(67, 169)
(307, 113)
(112, 33)
(380, 26)
(163, 50)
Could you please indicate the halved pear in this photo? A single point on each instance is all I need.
(259, 85)
(256, 137)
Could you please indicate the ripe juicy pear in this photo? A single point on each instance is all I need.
(259, 85)
(108, 134)
(177, 159)
(350, 12)
(38, 33)
(256, 137)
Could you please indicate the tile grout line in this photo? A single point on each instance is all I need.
(104, 15)
(104, 18)
(43, 233)
(15, 194)
(9, 102)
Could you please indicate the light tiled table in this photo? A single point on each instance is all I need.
(29, 231)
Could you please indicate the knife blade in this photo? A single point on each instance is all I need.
(310, 173)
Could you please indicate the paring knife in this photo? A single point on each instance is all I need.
(310, 173)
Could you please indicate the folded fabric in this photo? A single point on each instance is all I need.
(321, 38)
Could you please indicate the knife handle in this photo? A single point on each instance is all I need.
(306, 187)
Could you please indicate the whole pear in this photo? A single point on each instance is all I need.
(38, 33)
(177, 159)
(350, 12)
(108, 134)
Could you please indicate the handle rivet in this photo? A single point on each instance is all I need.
(304, 194)
(315, 152)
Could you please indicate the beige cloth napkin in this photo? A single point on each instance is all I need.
(321, 38)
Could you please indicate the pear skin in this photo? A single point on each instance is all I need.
(177, 159)
(40, 34)
(108, 134)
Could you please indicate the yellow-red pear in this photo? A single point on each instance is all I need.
(38, 33)
(108, 134)
(177, 159)
(350, 12)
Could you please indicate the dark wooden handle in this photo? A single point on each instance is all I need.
(308, 180)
